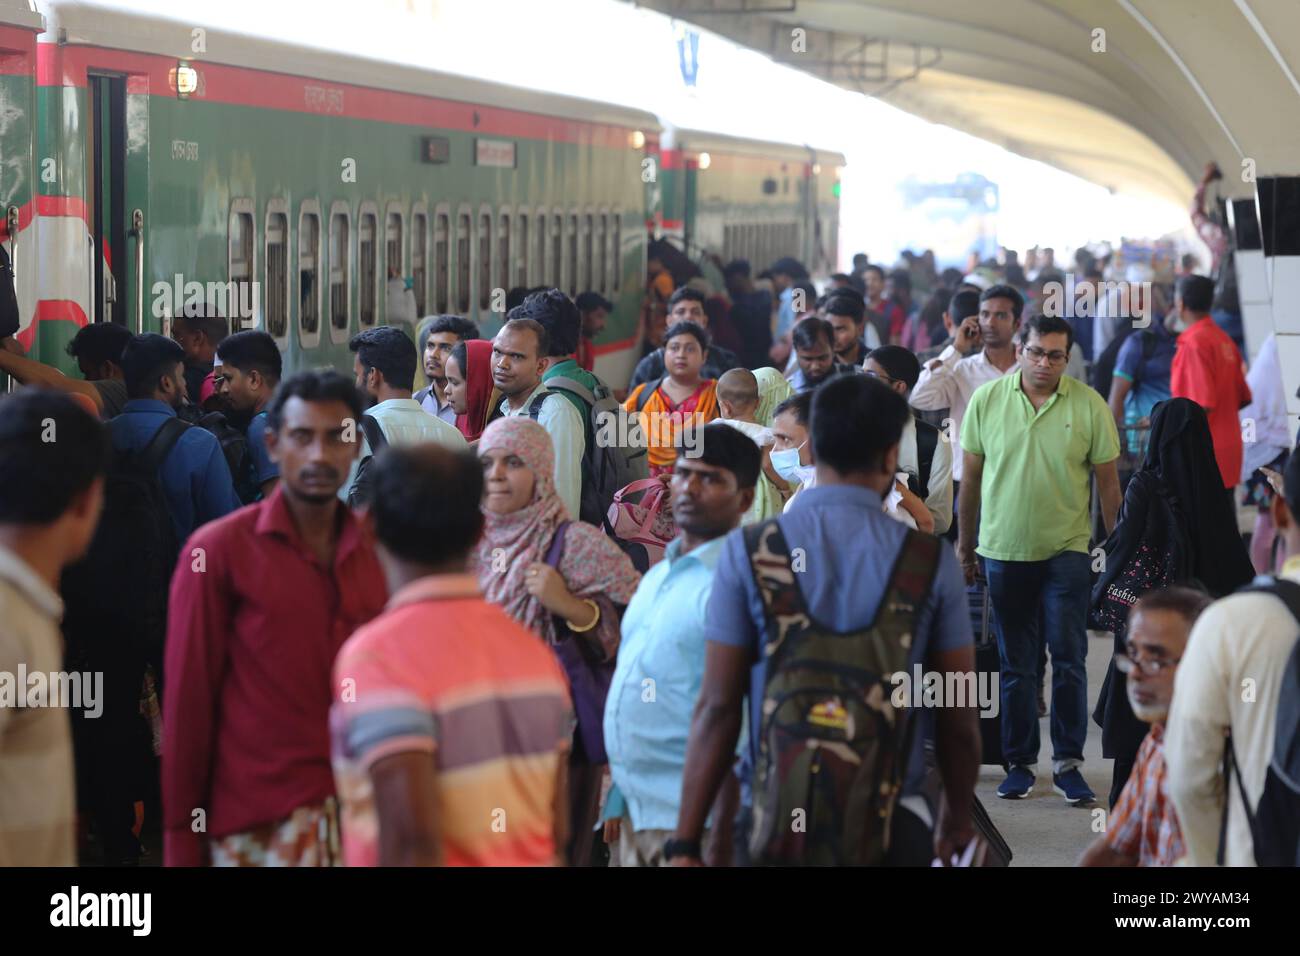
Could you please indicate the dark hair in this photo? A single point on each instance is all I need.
(1291, 484)
(146, 359)
(725, 447)
(800, 404)
(963, 305)
(902, 279)
(687, 328)
(99, 342)
(1047, 325)
(389, 351)
(1197, 293)
(846, 302)
(316, 385)
(807, 332)
(204, 317)
(252, 351)
(1003, 291)
(872, 267)
(951, 277)
(530, 325)
(591, 301)
(898, 363)
(51, 450)
(460, 352)
(556, 313)
(855, 420)
(458, 325)
(1186, 602)
(425, 502)
(685, 293)
(737, 267)
(515, 297)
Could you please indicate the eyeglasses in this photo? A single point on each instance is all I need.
(1036, 355)
(1126, 664)
(880, 375)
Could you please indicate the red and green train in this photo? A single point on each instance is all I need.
(145, 162)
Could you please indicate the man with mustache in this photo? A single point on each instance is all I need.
(261, 602)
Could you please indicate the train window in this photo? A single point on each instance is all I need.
(521, 250)
(309, 275)
(394, 266)
(503, 250)
(277, 270)
(618, 250)
(338, 266)
(441, 266)
(598, 267)
(588, 252)
(367, 266)
(484, 259)
(241, 306)
(557, 250)
(572, 251)
(419, 260)
(462, 262)
(538, 272)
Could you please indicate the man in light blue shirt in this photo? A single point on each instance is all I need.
(661, 657)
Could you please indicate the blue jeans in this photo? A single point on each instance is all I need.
(1061, 587)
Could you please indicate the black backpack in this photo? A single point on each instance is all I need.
(1275, 821)
(927, 440)
(10, 317)
(234, 448)
(607, 465)
(118, 591)
(359, 493)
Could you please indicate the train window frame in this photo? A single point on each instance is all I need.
(276, 207)
(306, 339)
(572, 247)
(367, 210)
(442, 274)
(537, 274)
(391, 210)
(501, 246)
(600, 276)
(340, 211)
(462, 298)
(586, 252)
(483, 270)
(520, 245)
(555, 278)
(244, 209)
(420, 286)
(616, 244)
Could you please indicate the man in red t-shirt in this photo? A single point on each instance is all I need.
(1208, 369)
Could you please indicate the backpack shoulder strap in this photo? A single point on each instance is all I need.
(555, 551)
(927, 440)
(164, 440)
(375, 436)
(1288, 592)
(535, 406)
(569, 385)
(649, 389)
(774, 574)
(913, 573)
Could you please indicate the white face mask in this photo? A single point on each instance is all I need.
(786, 464)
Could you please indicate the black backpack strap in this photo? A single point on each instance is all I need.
(164, 439)
(535, 406)
(927, 440)
(375, 436)
(774, 574)
(650, 389)
(913, 572)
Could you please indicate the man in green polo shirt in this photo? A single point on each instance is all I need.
(1029, 441)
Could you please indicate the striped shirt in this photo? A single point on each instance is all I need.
(446, 673)
(1143, 823)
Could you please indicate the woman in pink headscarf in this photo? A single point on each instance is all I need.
(563, 579)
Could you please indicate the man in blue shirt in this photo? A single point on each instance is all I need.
(1140, 382)
(248, 367)
(661, 657)
(194, 476)
(845, 548)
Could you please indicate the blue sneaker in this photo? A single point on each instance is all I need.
(1073, 787)
(1019, 783)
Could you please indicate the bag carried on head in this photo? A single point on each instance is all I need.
(641, 523)
(832, 747)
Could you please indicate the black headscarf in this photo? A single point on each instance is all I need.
(1180, 452)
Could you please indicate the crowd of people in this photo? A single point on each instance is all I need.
(371, 620)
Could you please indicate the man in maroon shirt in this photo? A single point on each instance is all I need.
(261, 601)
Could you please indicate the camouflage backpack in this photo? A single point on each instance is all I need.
(832, 749)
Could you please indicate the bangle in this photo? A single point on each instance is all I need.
(594, 621)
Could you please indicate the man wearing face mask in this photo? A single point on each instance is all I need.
(1143, 828)
(791, 454)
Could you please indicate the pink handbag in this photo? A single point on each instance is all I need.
(641, 522)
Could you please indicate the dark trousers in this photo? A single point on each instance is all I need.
(1060, 586)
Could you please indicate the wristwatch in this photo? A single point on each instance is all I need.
(687, 848)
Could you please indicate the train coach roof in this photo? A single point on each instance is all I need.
(117, 25)
(701, 140)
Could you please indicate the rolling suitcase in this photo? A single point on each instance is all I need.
(986, 662)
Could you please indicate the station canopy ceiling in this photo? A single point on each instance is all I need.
(1135, 95)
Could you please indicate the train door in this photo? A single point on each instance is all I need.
(17, 172)
(106, 197)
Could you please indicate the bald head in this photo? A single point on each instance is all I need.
(738, 394)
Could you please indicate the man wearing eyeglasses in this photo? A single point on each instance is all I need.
(1143, 827)
(1030, 441)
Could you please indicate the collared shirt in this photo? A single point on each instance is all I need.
(568, 434)
(195, 477)
(939, 500)
(801, 384)
(1239, 643)
(1207, 369)
(1143, 823)
(37, 803)
(785, 314)
(404, 422)
(435, 406)
(254, 623)
(1034, 489)
(850, 546)
(660, 669)
(951, 386)
(492, 713)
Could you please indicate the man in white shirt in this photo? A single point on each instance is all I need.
(385, 369)
(950, 380)
(1229, 681)
(519, 359)
(51, 494)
